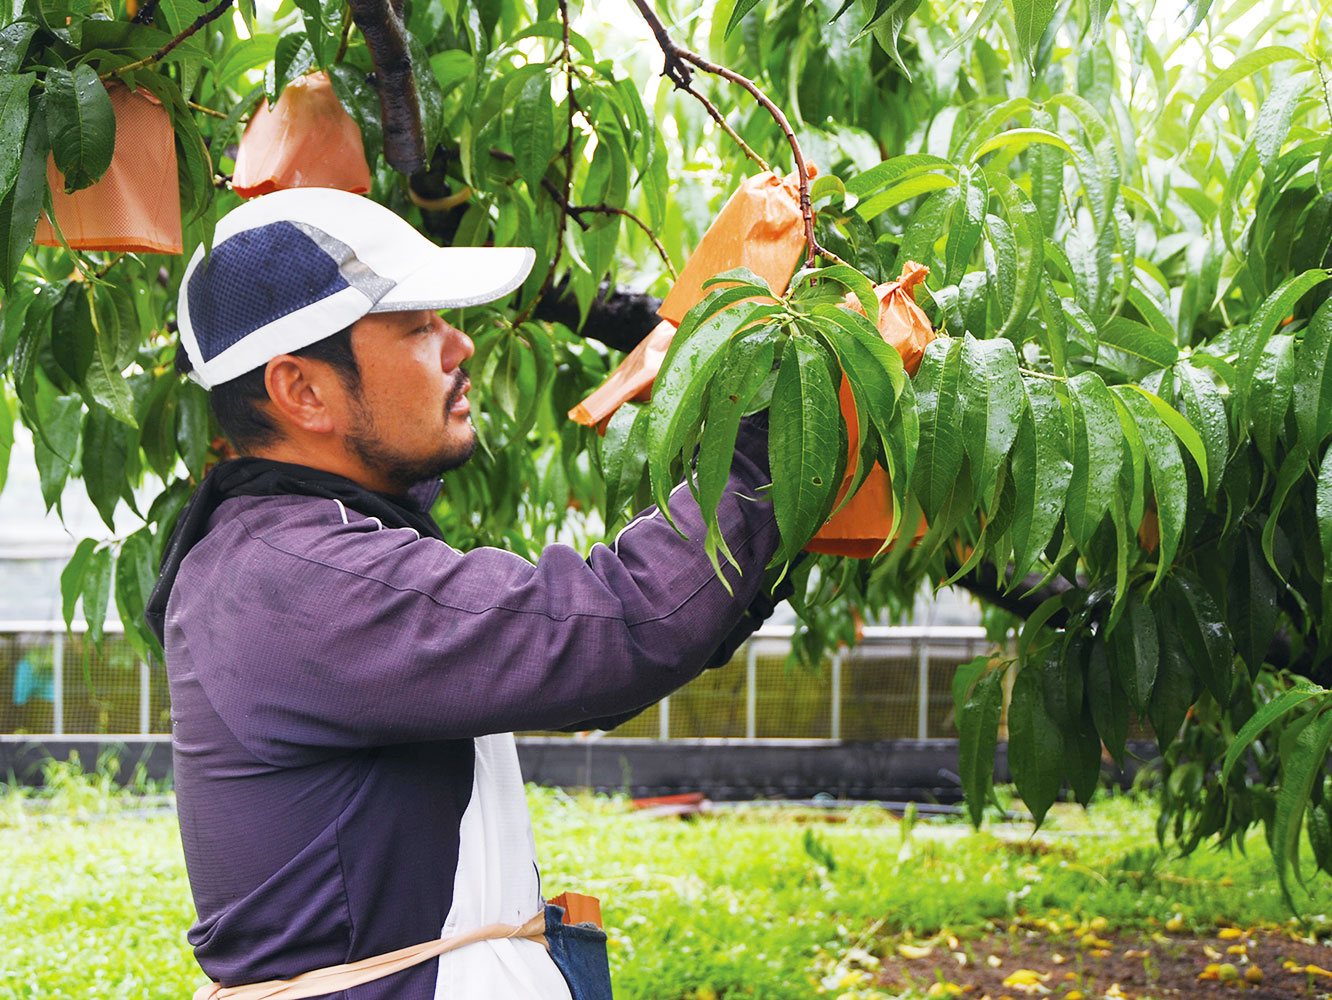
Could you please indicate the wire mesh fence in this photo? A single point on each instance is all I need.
(895, 685)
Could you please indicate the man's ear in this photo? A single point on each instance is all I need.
(297, 393)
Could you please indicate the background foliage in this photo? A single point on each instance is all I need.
(1120, 440)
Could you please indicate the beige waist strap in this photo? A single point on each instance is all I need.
(343, 977)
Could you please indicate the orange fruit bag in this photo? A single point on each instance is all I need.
(306, 140)
(760, 227)
(135, 206)
(859, 528)
(631, 381)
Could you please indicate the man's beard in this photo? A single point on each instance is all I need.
(405, 471)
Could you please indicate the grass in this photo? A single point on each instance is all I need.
(745, 902)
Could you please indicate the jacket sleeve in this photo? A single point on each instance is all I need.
(366, 637)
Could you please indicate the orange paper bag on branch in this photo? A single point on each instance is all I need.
(760, 227)
(306, 140)
(135, 206)
(860, 528)
(631, 381)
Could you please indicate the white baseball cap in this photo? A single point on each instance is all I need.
(293, 267)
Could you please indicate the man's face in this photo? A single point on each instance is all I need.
(411, 419)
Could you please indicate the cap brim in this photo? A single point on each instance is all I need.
(453, 277)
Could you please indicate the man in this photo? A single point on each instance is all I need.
(344, 684)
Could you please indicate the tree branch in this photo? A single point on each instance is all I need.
(676, 69)
(578, 210)
(381, 26)
(209, 15)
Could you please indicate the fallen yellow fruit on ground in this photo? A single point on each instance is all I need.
(1211, 972)
(1227, 973)
(1229, 933)
(1314, 970)
(914, 950)
(1026, 978)
(1253, 974)
(943, 990)
(1175, 924)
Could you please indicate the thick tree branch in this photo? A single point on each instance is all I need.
(676, 68)
(380, 24)
(618, 318)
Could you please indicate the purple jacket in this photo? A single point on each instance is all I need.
(327, 677)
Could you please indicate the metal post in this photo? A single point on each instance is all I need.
(922, 689)
(837, 695)
(145, 696)
(58, 682)
(751, 692)
(664, 726)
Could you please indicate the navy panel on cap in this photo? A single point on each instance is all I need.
(253, 278)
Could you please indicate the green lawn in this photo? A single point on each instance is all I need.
(753, 901)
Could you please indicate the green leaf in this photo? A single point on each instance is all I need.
(21, 206)
(1108, 701)
(1323, 513)
(747, 365)
(1206, 412)
(14, 92)
(892, 171)
(534, 130)
(1035, 744)
(993, 402)
(938, 402)
(104, 379)
(964, 224)
(1269, 399)
(1269, 315)
(14, 41)
(1169, 482)
(1273, 122)
(81, 124)
(1020, 138)
(1042, 471)
(978, 729)
(886, 24)
(1031, 18)
(623, 457)
(135, 577)
(1182, 429)
(96, 593)
(805, 422)
(1029, 244)
(1303, 761)
(1266, 715)
(106, 453)
(742, 7)
(1313, 379)
(1133, 652)
(1245, 66)
(678, 394)
(72, 576)
(1097, 449)
(1202, 630)
(1172, 694)
(1139, 341)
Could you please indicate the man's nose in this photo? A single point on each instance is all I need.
(458, 347)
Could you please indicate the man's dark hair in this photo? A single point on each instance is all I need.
(237, 403)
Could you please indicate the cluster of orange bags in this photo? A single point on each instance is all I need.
(135, 206)
(761, 228)
(307, 139)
